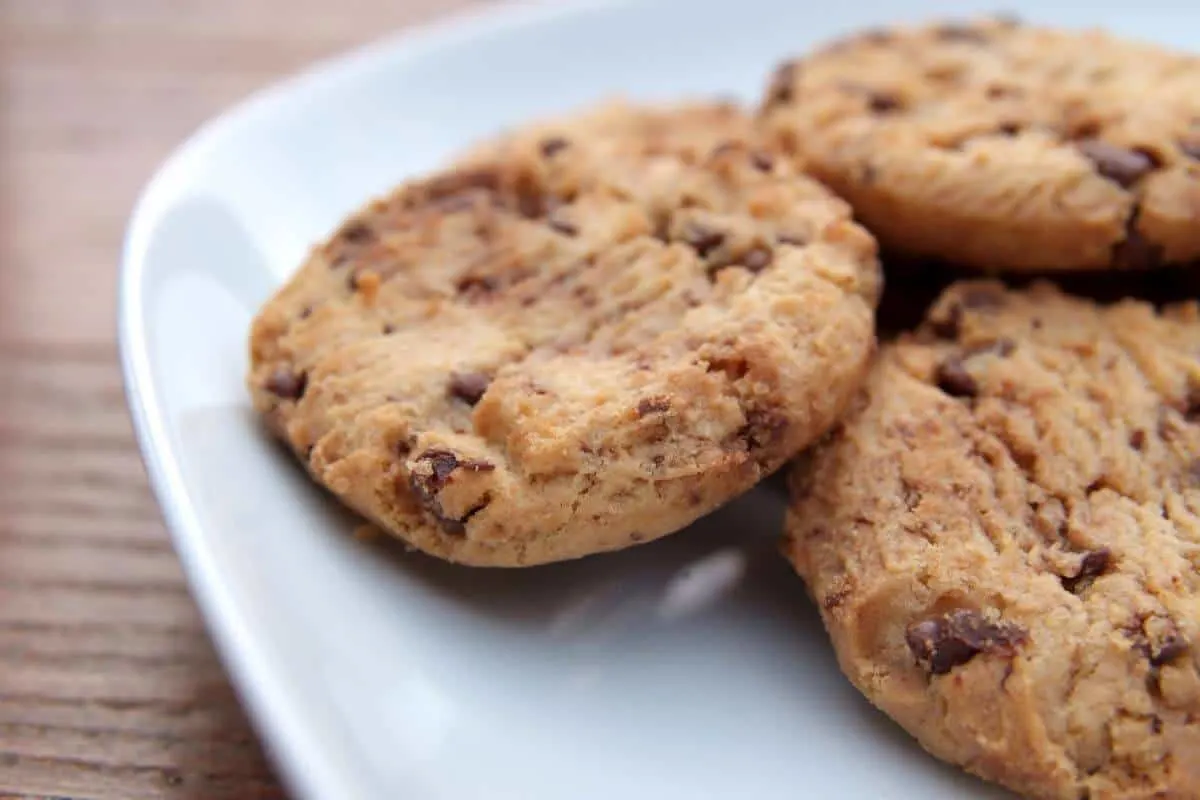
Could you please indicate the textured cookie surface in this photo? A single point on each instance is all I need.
(1001, 146)
(1003, 539)
(576, 344)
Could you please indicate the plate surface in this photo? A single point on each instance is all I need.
(691, 668)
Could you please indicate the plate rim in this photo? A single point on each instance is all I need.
(294, 750)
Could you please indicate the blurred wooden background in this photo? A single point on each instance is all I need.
(108, 684)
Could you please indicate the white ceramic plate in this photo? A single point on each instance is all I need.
(692, 668)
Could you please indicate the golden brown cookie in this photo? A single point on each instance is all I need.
(1003, 538)
(1000, 146)
(579, 343)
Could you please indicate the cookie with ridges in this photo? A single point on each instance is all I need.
(1002, 146)
(1003, 539)
(573, 345)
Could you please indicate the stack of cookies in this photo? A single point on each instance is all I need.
(588, 333)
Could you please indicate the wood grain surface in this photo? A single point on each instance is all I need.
(109, 687)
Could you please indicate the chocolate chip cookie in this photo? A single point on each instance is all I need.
(573, 345)
(1000, 146)
(1003, 538)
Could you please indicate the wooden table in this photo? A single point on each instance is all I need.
(109, 687)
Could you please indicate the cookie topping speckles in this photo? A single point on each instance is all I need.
(756, 259)
(960, 33)
(953, 379)
(943, 643)
(883, 103)
(762, 161)
(287, 384)
(702, 238)
(553, 145)
(357, 233)
(469, 386)
(1092, 565)
(432, 471)
(1169, 649)
(1135, 251)
(653, 405)
(1125, 167)
(561, 225)
(782, 88)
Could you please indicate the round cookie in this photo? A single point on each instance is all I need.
(1003, 539)
(573, 347)
(999, 146)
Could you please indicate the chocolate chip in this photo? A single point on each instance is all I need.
(763, 428)
(469, 386)
(953, 379)
(442, 464)
(876, 36)
(734, 368)
(1135, 251)
(560, 225)
(757, 259)
(1191, 407)
(457, 183)
(1120, 165)
(835, 599)
(998, 91)
(1093, 564)
(943, 643)
(430, 475)
(287, 384)
(883, 102)
(1190, 149)
(782, 88)
(1155, 157)
(1137, 439)
(1009, 129)
(357, 232)
(532, 202)
(653, 405)
(794, 239)
(723, 148)
(702, 238)
(949, 326)
(477, 285)
(960, 33)
(461, 524)
(305, 312)
(1170, 648)
(552, 145)
(762, 161)
(454, 203)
